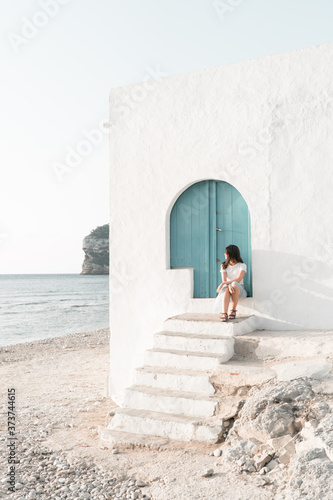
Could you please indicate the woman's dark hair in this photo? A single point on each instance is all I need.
(233, 253)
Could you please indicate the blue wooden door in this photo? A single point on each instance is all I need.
(206, 218)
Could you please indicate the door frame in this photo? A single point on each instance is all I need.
(167, 232)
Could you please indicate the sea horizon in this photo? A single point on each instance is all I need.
(36, 306)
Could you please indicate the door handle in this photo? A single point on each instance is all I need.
(218, 229)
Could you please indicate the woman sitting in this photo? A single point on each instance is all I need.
(232, 288)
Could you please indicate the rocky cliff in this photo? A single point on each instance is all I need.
(96, 249)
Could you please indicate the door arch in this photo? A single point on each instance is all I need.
(207, 217)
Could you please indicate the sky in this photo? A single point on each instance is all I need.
(60, 58)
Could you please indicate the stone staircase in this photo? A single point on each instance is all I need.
(175, 393)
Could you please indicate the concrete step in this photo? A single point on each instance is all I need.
(283, 344)
(194, 342)
(185, 359)
(174, 379)
(242, 372)
(210, 324)
(128, 440)
(166, 401)
(172, 426)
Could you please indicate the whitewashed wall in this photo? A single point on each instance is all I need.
(266, 127)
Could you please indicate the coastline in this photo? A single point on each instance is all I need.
(33, 348)
(44, 306)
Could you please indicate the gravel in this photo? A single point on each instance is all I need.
(47, 474)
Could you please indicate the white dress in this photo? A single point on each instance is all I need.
(232, 273)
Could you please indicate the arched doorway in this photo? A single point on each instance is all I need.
(207, 217)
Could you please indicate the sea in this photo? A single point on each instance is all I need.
(41, 306)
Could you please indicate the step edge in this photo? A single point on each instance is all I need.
(168, 370)
(196, 335)
(198, 354)
(160, 392)
(214, 420)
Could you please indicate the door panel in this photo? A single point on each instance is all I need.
(195, 240)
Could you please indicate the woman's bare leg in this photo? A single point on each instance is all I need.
(234, 297)
(226, 300)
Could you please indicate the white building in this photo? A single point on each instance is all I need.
(262, 126)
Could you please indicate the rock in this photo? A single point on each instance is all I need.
(324, 386)
(275, 420)
(208, 473)
(250, 446)
(261, 460)
(267, 480)
(279, 443)
(242, 391)
(312, 477)
(249, 466)
(242, 461)
(261, 482)
(313, 368)
(238, 448)
(115, 451)
(290, 447)
(319, 410)
(96, 249)
(266, 448)
(230, 407)
(286, 452)
(308, 429)
(268, 413)
(141, 484)
(313, 454)
(324, 434)
(285, 457)
(317, 436)
(217, 453)
(271, 465)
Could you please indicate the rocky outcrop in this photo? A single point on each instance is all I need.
(96, 249)
(274, 411)
(283, 436)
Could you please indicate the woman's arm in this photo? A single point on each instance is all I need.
(224, 278)
(228, 282)
(224, 281)
(239, 277)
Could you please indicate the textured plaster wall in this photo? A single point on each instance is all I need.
(265, 126)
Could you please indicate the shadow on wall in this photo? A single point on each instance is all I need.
(294, 289)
